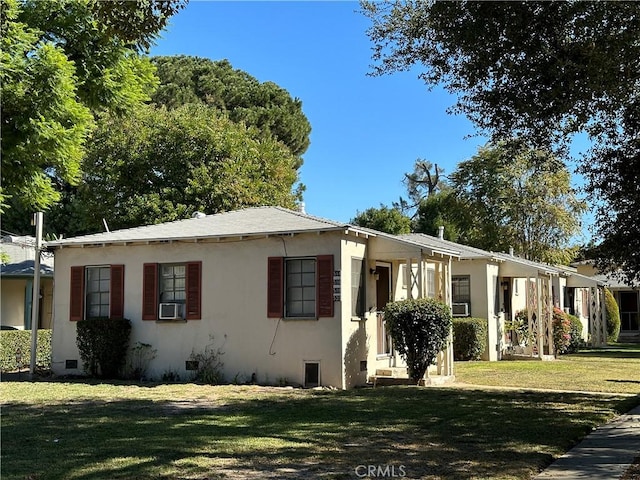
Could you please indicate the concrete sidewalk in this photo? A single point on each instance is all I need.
(605, 454)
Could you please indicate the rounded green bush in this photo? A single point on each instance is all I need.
(613, 316)
(419, 330)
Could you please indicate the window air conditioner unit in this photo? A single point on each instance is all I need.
(460, 309)
(170, 311)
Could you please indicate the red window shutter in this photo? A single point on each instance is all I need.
(275, 287)
(76, 304)
(150, 291)
(194, 287)
(324, 272)
(116, 305)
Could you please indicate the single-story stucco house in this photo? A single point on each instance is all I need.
(285, 295)
(496, 286)
(17, 284)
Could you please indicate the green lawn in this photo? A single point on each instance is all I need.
(84, 430)
(614, 369)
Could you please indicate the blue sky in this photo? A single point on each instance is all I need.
(366, 131)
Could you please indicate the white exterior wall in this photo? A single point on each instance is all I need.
(234, 309)
(518, 295)
(483, 284)
(13, 302)
(12, 312)
(355, 342)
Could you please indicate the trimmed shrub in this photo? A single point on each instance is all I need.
(561, 331)
(12, 340)
(419, 329)
(613, 316)
(103, 344)
(575, 331)
(469, 338)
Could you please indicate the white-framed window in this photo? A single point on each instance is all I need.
(431, 282)
(357, 287)
(300, 287)
(97, 291)
(461, 289)
(173, 283)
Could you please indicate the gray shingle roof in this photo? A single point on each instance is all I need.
(255, 221)
(466, 252)
(21, 253)
(245, 222)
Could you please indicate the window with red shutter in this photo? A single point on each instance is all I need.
(150, 291)
(300, 287)
(325, 285)
(76, 303)
(116, 306)
(275, 285)
(193, 288)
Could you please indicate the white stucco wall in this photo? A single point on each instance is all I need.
(234, 309)
(13, 302)
(355, 341)
(483, 283)
(12, 312)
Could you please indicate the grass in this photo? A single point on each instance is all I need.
(614, 369)
(88, 430)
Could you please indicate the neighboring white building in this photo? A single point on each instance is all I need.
(496, 286)
(17, 284)
(287, 296)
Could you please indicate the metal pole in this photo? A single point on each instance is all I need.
(35, 299)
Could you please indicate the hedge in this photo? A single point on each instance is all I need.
(469, 338)
(103, 344)
(11, 340)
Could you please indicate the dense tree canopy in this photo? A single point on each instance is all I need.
(518, 198)
(383, 219)
(243, 98)
(61, 62)
(535, 70)
(160, 165)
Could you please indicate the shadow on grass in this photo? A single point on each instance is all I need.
(615, 351)
(431, 433)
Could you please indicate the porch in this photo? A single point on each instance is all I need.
(399, 270)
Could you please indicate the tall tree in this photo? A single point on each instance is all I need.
(518, 198)
(383, 219)
(444, 209)
(425, 180)
(243, 98)
(62, 61)
(615, 181)
(537, 70)
(161, 165)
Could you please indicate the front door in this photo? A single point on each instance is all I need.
(383, 286)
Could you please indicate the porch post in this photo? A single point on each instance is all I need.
(597, 316)
(409, 278)
(549, 317)
(541, 317)
(448, 354)
(420, 273)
